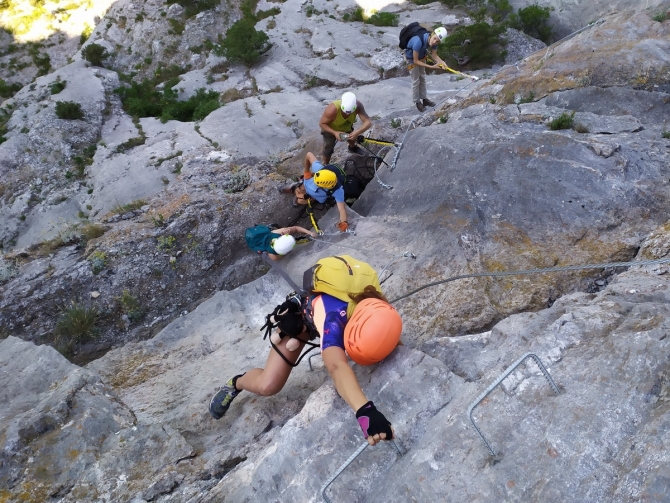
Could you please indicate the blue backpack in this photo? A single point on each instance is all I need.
(259, 237)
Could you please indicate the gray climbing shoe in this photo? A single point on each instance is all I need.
(220, 402)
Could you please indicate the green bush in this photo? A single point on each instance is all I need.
(661, 17)
(193, 7)
(9, 90)
(166, 243)
(4, 118)
(58, 86)
(453, 3)
(69, 110)
(248, 8)
(86, 32)
(358, 15)
(142, 99)
(197, 107)
(499, 10)
(98, 260)
(130, 306)
(243, 44)
(43, 62)
(563, 121)
(383, 19)
(262, 14)
(94, 54)
(177, 26)
(377, 18)
(534, 21)
(75, 326)
(169, 74)
(485, 47)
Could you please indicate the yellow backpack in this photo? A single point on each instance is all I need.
(340, 276)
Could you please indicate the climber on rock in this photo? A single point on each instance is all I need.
(416, 52)
(274, 241)
(319, 183)
(368, 335)
(337, 124)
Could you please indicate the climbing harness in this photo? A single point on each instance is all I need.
(269, 325)
(507, 372)
(347, 463)
(303, 213)
(310, 212)
(607, 265)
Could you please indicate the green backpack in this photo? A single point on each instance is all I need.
(340, 276)
(259, 238)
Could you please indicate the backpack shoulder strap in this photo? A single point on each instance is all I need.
(339, 173)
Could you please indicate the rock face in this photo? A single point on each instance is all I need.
(570, 15)
(105, 208)
(608, 353)
(482, 184)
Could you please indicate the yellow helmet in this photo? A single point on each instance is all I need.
(325, 179)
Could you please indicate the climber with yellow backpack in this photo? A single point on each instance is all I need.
(341, 303)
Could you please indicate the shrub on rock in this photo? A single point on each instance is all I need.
(243, 43)
(69, 110)
(479, 45)
(534, 21)
(94, 54)
(75, 326)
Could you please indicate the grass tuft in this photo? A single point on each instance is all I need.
(75, 326)
(563, 121)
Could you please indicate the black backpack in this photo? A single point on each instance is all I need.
(353, 187)
(409, 31)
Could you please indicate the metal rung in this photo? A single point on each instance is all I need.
(347, 463)
(507, 372)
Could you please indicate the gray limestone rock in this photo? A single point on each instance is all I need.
(481, 184)
(391, 63)
(570, 15)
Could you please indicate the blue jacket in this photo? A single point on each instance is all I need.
(418, 44)
(317, 192)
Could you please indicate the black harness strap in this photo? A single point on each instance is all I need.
(314, 346)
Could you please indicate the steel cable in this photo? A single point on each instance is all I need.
(606, 265)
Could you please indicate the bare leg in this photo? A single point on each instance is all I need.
(270, 380)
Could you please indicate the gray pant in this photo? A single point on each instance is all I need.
(418, 74)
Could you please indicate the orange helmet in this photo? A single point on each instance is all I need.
(372, 332)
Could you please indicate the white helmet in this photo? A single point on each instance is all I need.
(441, 33)
(283, 244)
(348, 103)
